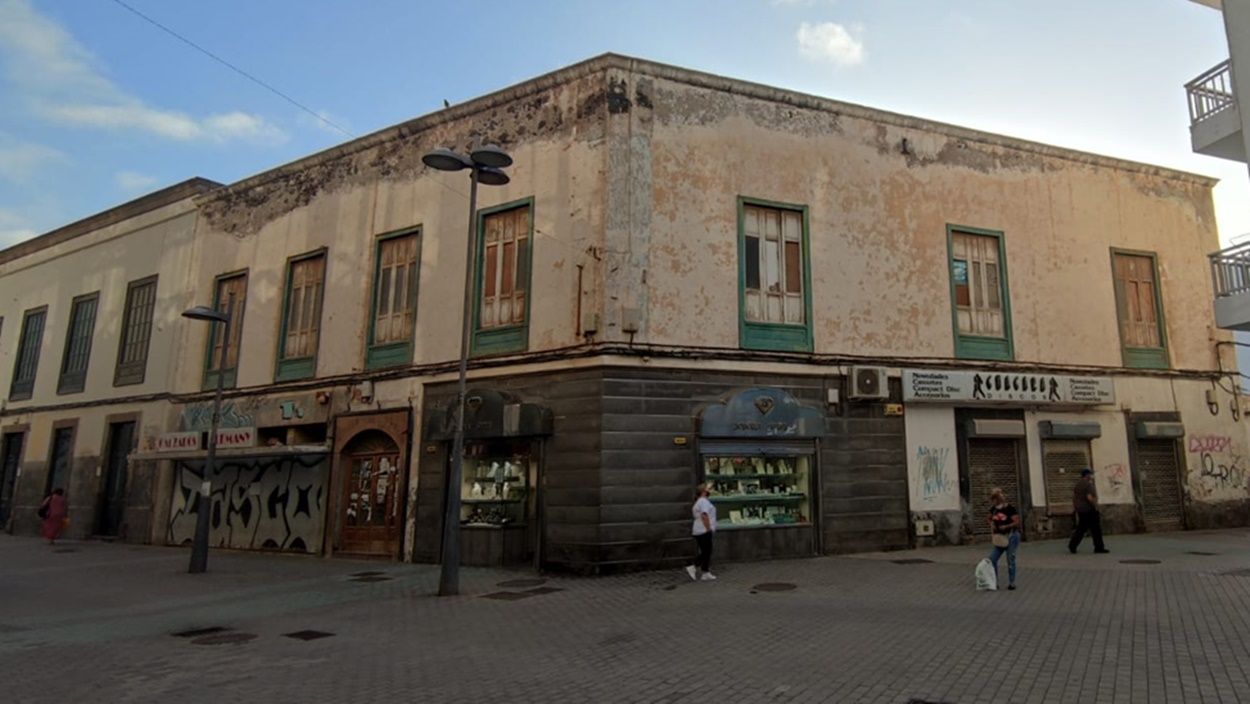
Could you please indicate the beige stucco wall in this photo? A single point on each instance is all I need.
(880, 282)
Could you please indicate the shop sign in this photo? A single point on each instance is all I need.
(173, 442)
(236, 437)
(760, 413)
(927, 386)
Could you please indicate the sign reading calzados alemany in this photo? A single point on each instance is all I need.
(1005, 387)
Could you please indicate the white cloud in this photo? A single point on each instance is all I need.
(13, 228)
(830, 41)
(20, 161)
(63, 82)
(306, 120)
(133, 181)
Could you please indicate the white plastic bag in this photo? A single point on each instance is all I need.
(987, 576)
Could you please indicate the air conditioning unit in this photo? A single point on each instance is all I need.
(869, 383)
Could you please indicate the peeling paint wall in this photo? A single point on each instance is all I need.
(880, 197)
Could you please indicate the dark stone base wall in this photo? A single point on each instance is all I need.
(82, 492)
(947, 527)
(1225, 514)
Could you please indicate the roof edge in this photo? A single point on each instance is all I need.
(134, 208)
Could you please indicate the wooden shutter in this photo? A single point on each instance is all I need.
(78, 345)
(132, 357)
(394, 308)
(977, 274)
(235, 286)
(773, 248)
(303, 307)
(1135, 300)
(27, 365)
(505, 268)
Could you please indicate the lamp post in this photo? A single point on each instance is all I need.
(203, 504)
(485, 166)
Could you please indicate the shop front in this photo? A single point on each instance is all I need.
(370, 483)
(758, 452)
(501, 516)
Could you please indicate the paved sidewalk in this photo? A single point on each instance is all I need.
(96, 623)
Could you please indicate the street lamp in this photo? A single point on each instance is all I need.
(199, 548)
(485, 166)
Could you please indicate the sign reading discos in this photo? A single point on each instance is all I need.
(927, 386)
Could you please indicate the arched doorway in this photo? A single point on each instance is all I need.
(371, 495)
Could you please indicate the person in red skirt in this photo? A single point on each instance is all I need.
(53, 511)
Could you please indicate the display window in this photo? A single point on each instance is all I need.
(759, 490)
(496, 482)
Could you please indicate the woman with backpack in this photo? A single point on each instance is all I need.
(53, 511)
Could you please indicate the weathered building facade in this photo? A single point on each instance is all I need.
(854, 323)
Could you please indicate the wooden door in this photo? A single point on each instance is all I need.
(8, 473)
(371, 514)
(113, 493)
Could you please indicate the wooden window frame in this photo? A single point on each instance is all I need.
(510, 338)
(392, 354)
(135, 371)
(1141, 357)
(292, 368)
(74, 382)
(240, 308)
(980, 346)
(26, 392)
(776, 337)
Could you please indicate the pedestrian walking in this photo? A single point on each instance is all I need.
(53, 511)
(1088, 520)
(704, 513)
(1005, 534)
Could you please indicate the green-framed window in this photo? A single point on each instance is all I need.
(1139, 308)
(26, 366)
(501, 308)
(229, 296)
(136, 332)
(980, 301)
(300, 332)
(77, 353)
(774, 276)
(393, 316)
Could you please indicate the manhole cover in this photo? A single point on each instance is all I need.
(308, 635)
(517, 583)
(543, 590)
(774, 587)
(507, 596)
(224, 638)
(1140, 562)
(912, 561)
(368, 573)
(197, 632)
(1200, 552)
(372, 578)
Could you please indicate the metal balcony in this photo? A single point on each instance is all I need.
(1230, 272)
(1214, 115)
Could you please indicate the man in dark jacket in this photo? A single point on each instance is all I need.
(1085, 501)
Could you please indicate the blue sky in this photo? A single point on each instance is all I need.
(98, 106)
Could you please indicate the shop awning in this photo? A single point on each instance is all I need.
(1065, 430)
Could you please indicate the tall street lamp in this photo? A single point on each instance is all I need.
(485, 166)
(199, 548)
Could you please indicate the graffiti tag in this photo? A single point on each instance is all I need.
(1209, 443)
(932, 464)
(1229, 473)
(1116, 474)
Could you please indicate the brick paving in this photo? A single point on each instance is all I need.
(96, 623)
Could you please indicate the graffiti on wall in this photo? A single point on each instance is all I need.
(933, 479)
(234, 414)
(275, 503)
(1216, 467)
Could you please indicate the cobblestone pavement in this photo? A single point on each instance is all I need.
(94, 622)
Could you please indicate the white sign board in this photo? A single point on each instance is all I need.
(932, 460)
(173, 442)
(236, 437)
(929, 386)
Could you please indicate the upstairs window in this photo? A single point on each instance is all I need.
(775, 276)
(78, 344)
(505, 235)
(394, 301)
(232, 287)
(978, 273)
(136, 333)
(1139, 308)
(27, 363)
(301, 317)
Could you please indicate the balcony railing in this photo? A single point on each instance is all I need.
(1230, 270)
(1211, 92)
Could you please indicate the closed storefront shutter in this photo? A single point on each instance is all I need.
(1062, 462)
(1160, 485)
(991, 463)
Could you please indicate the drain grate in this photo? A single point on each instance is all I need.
(1140, 562)
(372, 578)
(308, 635)
(912, 561)
(66, 550)
(228, 638)
(197, 632)
(543, 590)
(1200, 552)
(774, 587)
(367, 573)
(518, 583)
(926, 701)
(507, 596)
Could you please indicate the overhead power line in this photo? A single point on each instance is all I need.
(234, 68)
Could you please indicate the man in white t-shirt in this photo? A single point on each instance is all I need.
(704, 513)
